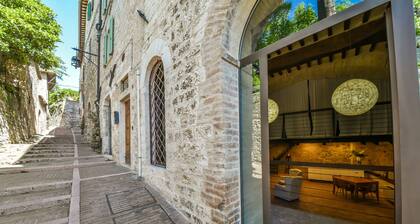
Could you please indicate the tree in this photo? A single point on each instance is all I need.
(417, 16)
(343, 5)
(28, 33)
(279, 25)
(57, 97)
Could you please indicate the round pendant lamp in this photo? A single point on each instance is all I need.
(355, 97)
(273, 110)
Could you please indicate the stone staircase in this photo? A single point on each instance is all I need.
(47, 203)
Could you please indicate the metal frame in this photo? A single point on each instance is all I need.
(405, 100)
(317, 27)
(406, 112)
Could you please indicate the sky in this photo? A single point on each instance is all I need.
(67, 17)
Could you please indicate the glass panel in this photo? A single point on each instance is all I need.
(330, 117)
(251, 172)
(273, 20)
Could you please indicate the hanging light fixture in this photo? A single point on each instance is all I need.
(273, 110)
(355, 97)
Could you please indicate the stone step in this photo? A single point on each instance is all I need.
(43, 159)
(35, 188)
(50, 215)
(33, 196)
(58, 221)
(46, 155)
(25, 206)
(66, 150)
(53, 146)
(53, 149)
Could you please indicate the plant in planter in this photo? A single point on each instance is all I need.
(359, 155)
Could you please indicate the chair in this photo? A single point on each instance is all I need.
(290, 190)
(295, 172)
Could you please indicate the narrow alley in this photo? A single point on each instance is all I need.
(61, 180)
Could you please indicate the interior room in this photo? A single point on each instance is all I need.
(330, 125)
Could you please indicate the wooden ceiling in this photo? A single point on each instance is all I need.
(365, 29)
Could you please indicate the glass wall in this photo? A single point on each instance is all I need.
(305, 81)
(251, 160)
(273, 20)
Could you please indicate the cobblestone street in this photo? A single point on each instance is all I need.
(61, 180)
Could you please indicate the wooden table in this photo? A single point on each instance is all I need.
(356, 185)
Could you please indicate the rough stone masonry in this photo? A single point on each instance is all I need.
(198, 42)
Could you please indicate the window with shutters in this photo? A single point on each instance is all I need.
(111, 36)
(105, 49)
(157, 116)
(89, 10)
(109, 41)
(104, 6)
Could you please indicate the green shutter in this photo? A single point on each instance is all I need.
(104, 5)
(105, 49)
(111, 36)
(89, 10)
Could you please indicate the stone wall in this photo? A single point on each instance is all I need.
(88, 77)
(199, 48)
(70, 116)
(380, 154)
(23, 109)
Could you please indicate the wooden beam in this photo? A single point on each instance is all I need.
(374, 31)
(357, 51)
(330, 31)
(347, 24)
(315, 37)
(372, 47)
(366, 16)
(343, 54)
(302, 42)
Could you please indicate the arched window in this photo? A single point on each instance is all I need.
(157, 116)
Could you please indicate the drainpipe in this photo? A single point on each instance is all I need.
(98, 70)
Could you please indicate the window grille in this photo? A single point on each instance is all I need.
(157, 116)
(124, 84)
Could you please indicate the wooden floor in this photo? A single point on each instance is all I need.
(317, 198)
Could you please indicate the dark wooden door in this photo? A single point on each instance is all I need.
(127, 132)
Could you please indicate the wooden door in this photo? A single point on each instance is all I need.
(127, 132)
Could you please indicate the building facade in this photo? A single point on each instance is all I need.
(167, 100)
(29, 87)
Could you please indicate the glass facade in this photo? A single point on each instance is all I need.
(302, 86)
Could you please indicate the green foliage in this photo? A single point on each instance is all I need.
(417, 16)
(343, 5)
(28, 32)
(57, 97)
(279, 25)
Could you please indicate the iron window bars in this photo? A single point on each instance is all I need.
(157, 116)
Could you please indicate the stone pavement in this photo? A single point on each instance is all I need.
(61, 180)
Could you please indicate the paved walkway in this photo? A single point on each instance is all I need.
(61, 180)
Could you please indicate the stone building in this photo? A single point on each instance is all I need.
(172, 99)
(28, 89)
